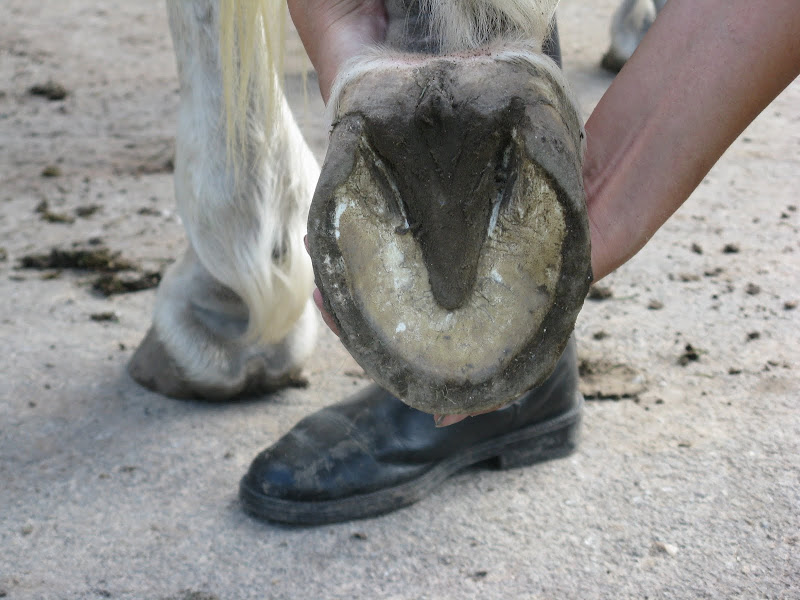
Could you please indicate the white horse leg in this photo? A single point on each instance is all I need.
(628, 26)
(233, 315)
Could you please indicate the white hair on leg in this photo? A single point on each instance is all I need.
(244, 175)
(466, 24)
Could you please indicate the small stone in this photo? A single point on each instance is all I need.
(51, 171)
(734, 371)
(752, 289)
(4, 257)
(664, 548)
(359, 535)
(696, 248)
(686, 277)
(731, 249)
(26, 529)
(753, 335)
(600, 292)
(600, 335)
(655, 305)
(478, 575)
(790, 305)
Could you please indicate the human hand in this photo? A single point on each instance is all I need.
(334, 31)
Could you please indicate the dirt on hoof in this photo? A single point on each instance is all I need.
(448, 231)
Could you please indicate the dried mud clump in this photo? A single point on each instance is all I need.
(117, 275)
(87, 259)
(111, 284)
(689, 354)
(51, 90)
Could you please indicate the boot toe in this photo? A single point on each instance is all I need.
(322, 459)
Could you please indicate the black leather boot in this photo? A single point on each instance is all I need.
(372, 454)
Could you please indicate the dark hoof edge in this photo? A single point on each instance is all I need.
(547, 440)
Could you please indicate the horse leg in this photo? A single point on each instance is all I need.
(233, 315)
(630, 22)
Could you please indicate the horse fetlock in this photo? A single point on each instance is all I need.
(197, 347)
(448, 232)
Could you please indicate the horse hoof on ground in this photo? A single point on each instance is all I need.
(613, 62)
(448, 231)
(200, 366)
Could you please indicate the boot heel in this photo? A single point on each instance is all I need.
(546, 446)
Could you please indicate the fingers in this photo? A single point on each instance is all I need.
(317, 295)
(326, 316)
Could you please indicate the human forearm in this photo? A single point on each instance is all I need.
(701, 75)
(334, 31)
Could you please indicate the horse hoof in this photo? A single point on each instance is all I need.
(154, 367)
(613, 61)
(448, 231)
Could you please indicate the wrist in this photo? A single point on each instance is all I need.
(334, 32)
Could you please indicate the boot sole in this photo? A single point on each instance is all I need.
(554, 438)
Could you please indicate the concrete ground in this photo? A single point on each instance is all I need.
(687, 483)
